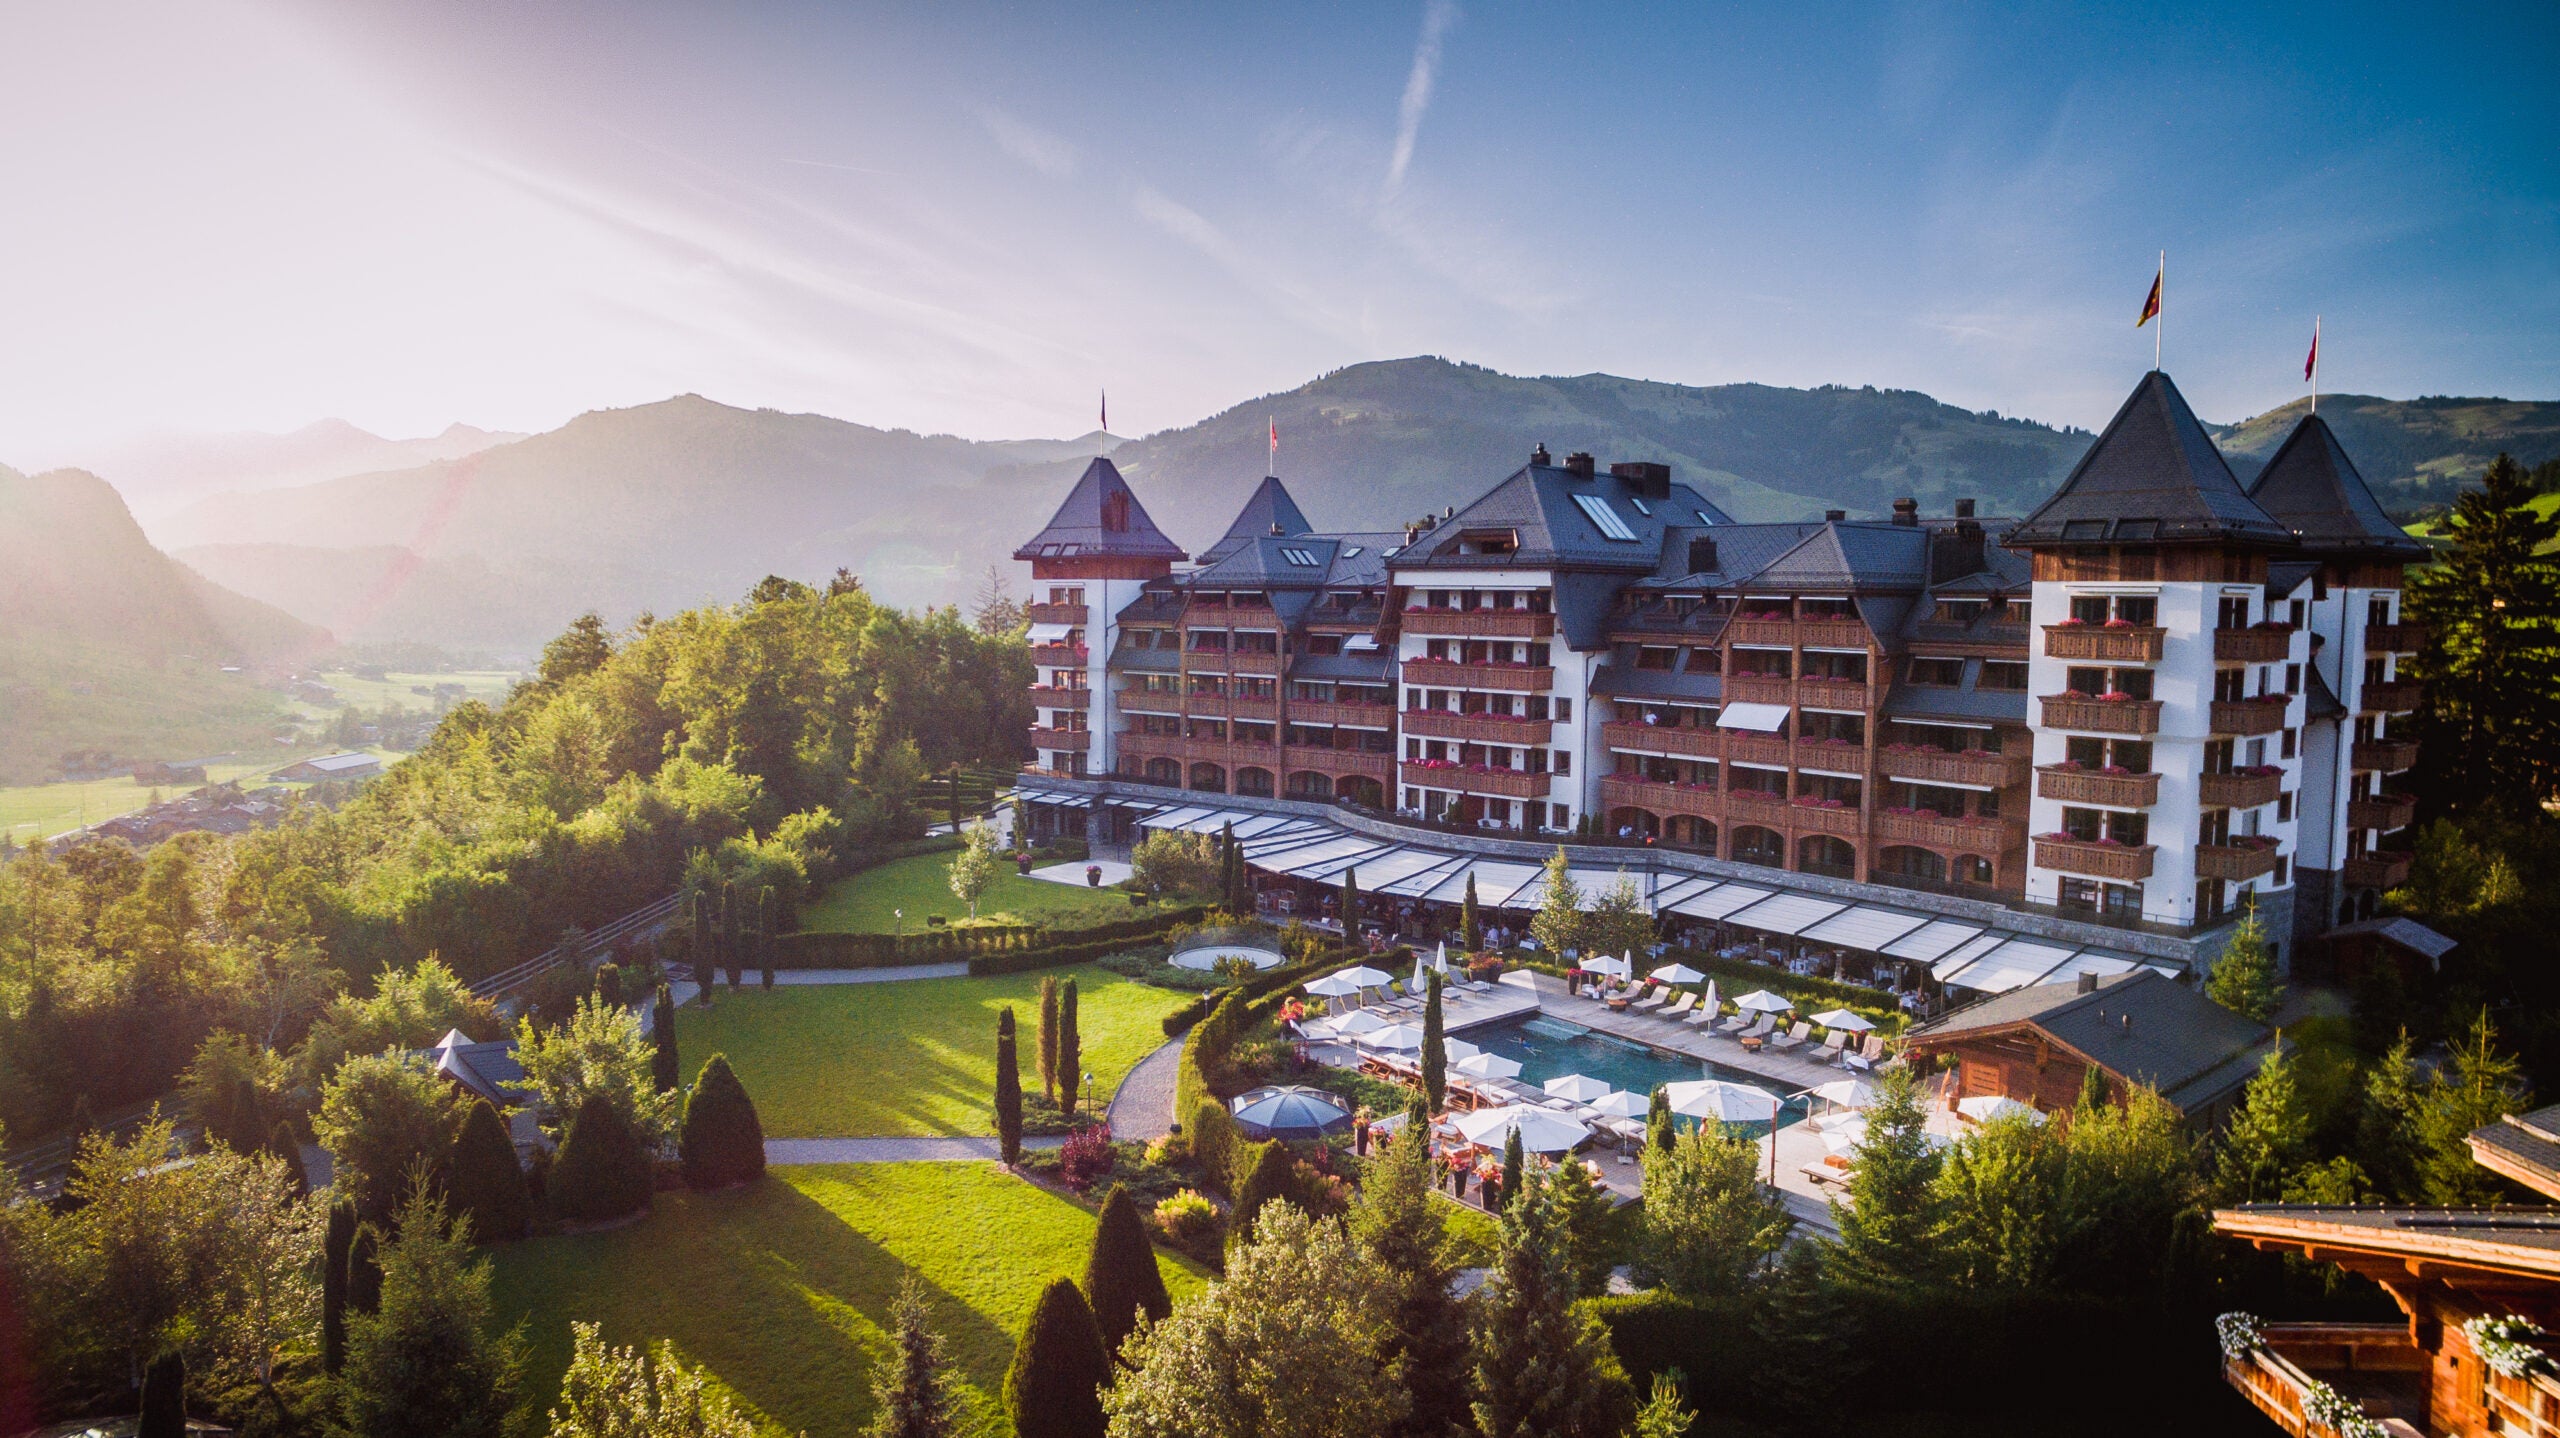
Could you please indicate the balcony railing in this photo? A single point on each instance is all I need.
(1504, 783)
(1342, 763)
(2127, 644)
(2240, 789)
(1757, 806)
(2258, 644)
(2376, 870)
(1058, 656)
(2389, 1376)
(1818, 633)
(1767, 750)
(1761, 689)
(1140, 701)
(1939, 766)
(1059, 693)
(2382, 811)
(1056, 613)
(2390, 696)
(1663, 739)
(1246, 661)
(1761, 631)
(1823, 692)
(1477, 728)
(2394, 638)
(1480, 623)
(2123, 863)
(2070, 784)
(1846, 820)
(1338, 711)
(1662, 798)
(2101, 716)
(2234, 863)
(2249, 716)
(1508, 678)
(2384, 756)
(1968, 834)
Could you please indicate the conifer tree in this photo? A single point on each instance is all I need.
(1351, 906)
(1121, 1280)
(2094, 1094)
(1799, 1320)
(483, 1180)
(765, 933)
(721, 1142)
(730, 921)
(336, 1243)
(1213, 1144)
(1543, 1368)
(364, 1271)
(1435, 1056)
(2480, 1085)
(1070, 1051)
(164, 1397)
(2387, 1141)
(1054, 1387)
(704, 958)
(286, 1148)
(602, 1172)
(1008, 1090)
(1558, 922)
(2491, 604)
(2244, 978)
(1470, 922)
(2268, 1139)
(428, 1362)
(1049, 1038)
(913, 1394)
(244, 1121)
(1661, 1129)
(1264, 1175)
(609, 984)
(662, 1042)
(1886, 1227)
(1402, 1235)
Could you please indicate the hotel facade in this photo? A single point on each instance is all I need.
(2093, 735)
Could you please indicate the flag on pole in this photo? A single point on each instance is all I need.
(2151, 303)
(1275, 444)
(1106, 411)
(2311, 361)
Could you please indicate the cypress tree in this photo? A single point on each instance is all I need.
(483, 1181)
(243, 1124)
(335, 1247)
(1471, 923)
(662, 1040)
(1120, 1274)
(1054, 1388)
(730, 919)
(602, 1173)
(1351, 906)
(1008, 1090)
(1070, 1051)
(764, 932)
(164, 1397)
(364, 1271)
(287, 1148)
(1514, 1163)
(1435, 1056)
(609, 984)
(1213, 1145)
(1659, 1130)
(722, 1141)
(703, 976)
(1048, 1055)
(81, 1124)
(1266, 1176)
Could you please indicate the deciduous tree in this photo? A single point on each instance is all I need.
(384, 1117)
(615, 1393)
(1708, 1227)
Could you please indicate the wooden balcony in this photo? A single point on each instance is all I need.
(1341, 763)
(1480, 623)
(2238, 790)
(1507, 678)
(1265, 711)
(2383, 811)
(1501, 783)
(1824, 693)
(1237, 753)
(2394, 638)
(1832, 756)
(1336, 711)
(1753, 806)
(1761, 631)
(2390, 696)
(1153, 746)
(1059, 656)
(1662, 739)
(1245, 661)
(1477, 728)
(2070, 785)
(1059, 738)
(2258, 644)
(1056, 613)
(1059, 694)
(1972, 835)
(2249, 716)
(2385, 756)
(1627, 790)
(2376, 870)
(2133, 644)
(1139, 701)
(2387, 1375)
(1759, 689)
(1847, 821)
(1834, 633)
(1766, 750)
(2101, 716)
(2122, 863)
(2234, 863)
(1939, 766)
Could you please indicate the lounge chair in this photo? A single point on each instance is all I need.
(1792, 1037)
(1702, 1016)
(1735, 1025)
(1834, 1046)
(1686, 1003)
(1761, 1029)
(1867, 1056)
(1651, 1001)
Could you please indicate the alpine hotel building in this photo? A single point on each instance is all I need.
(2099, 730)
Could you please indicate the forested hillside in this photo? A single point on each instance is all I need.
(2417, 454)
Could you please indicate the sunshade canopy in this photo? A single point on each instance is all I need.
(1842, 1019)
(1490, 1066)
(1581, 1088)
(1332, 986)
(1676, 974)
(1725, 1102)
(1761, 1001)
(1359, 1021)
(1541, 1130)
(1291, 1112)
(1623, 1104)
(1395, 1036)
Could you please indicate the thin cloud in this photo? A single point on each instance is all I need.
(1437, 17)
(1033, 146)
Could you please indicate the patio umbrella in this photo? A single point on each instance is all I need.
(1332, 986)
(1842, 1019)
(1457, 1049)
(1761, 1001)
(1712, 1002)
(1395, 1036)
(1581, 1088)
(1292, 1112)
(1368, 978)
(1614, 968)
(1541, 1130)
(1847, 1092)
(1440, 960)
(1358, 1022)
(1421, 968)
(1489, 1066)
(1623, 1104)
(1983, 1108)
(1722, 1101)
(1842, 1137)
(1675, 974)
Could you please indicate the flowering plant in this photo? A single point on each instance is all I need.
(1086, 1157)
(2239, 1334)
(2335, 1411)
(2507, 1345)
(2115, 696)
(2119, 623)
(2074, 622)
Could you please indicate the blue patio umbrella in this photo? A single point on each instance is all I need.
(1294, 1111)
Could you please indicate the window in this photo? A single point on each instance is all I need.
(2284, 807)
(1298, 557)
(1641, 507)
(1945, 673)
(2089, 608)
(1651, 657)
(1603, 518)
(2002, 674)
(1564, 761)
(2291, 741)
(2293, 679)
(1351, 553)
(2232, 613)
(1564, 711)
(2084, 529)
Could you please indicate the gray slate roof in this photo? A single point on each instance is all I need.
(2152, 476)
(1079, 530)
(1268, 505)
(2313, 489)
(1537, 503)
(2139, 1026)
(489, 1070)
(2320, 701)
(2407, 933)
(1849, 555)
(2530, 1142)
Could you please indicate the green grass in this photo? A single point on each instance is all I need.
(59, 695)
(868, 902)
(487, 685)
(34, 811)
(907, 1059)
(782, 1290)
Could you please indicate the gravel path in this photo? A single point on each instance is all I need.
(1143, 1106)
(888, 1150)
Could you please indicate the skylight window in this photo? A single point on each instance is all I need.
(1298, 557)
(1352, 553)
(1641, 507)
(1604, 518)
(1702, 518)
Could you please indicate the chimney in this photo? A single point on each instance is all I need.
(1702, 555)
(1956, 552)
(1540, 456)
(1906, 512)
(1835, 515)
(2088, 982)
(1275, 526)
(1964, 509)
(1649, 481)
(1581, 465)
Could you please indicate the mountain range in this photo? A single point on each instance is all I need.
(668, 504)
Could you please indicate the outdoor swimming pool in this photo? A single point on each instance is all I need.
(1551, 1048)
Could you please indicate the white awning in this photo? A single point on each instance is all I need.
(1382, 875)
(1864, 928)
(1329, 857)
(2013, 965)
(1360, 644)
(1173, 820)
(1719, 901)
(1264, 824)
(1932, 940)
(1673, 889)
(1495, 883)
(1785, 914)
(1833, 773)
(1757, 718)
(2091, 961)
(1050, 633)
(1307, 866)
(1213, 820)
(1966, 953)
(1265, 848)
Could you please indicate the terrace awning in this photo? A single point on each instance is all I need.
(1864, 928)
(2013, 965)
(1785, 913)
(1754, 717)
(1721, 900)
(1931, 941)
(1050, 633)
(1965, 953)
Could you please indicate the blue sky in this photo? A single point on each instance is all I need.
(970, 218)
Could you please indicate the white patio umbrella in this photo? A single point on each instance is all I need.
(1421, 969)
(1581, 1088)
(1358, 1022)
(1614, 968)
(1332, 986)
(1458, 1049)
(1675, 974)
(1712, 1002)
(1367, 977)
(1761, 1001)
(1722, 1101)
(1395, 1036)
(1842, 1137)
(1847, 1093)
(1983, 1108)
(1440, 960)
(1489, 1066)
(1842, 1019)
(1541, 1130)
(1623, 1104)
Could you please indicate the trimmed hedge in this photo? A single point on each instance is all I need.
(1078, 946)
(1015, 948)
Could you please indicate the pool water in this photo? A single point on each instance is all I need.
(1549, 1048)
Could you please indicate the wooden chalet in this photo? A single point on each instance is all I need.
(2037, 1044)
(2444, 1267)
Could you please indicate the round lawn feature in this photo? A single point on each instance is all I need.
(908, 1059)
(1207, 959)
(869, 902)
(783, 1290)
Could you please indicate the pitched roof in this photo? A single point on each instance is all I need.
(2408, 933)
(1556, 517)
(2153, 476)
(2139, 1026)
(1101, 517)
(1845, 556)
(2524, 1147)
(2313, 489)
(1267, 511)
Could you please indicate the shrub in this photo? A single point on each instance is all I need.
(1170, 1151)
(1213, 1144)
(1120, 1275)
(1086, 1158)
(164, 1398)
(1186, 1217)
(602, 1172)
(722, 1142)
(1054, 1387)
(484, 1182)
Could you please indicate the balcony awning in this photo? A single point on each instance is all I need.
(1864, 928)
(1050, 633)
(1757, 718)
(1785, 914)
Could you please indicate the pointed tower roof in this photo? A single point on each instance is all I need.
(1101, 519)
(1270, 511)
(2313, 489)
(2152, 477)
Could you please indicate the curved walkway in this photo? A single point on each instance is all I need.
(1142, 1107)
(789, 1151)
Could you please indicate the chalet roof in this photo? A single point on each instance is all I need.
(1742, 550)
(2524, 1147)
(2141, 1027)
(2521, 1240)
(1846, 555)
(1542, 506)
(1101, 518)
(488, 1070)
(2152, 476)
(2408, 933)
(1971, 703)
(1300, 561)
(1267, 511)
(2313, 489)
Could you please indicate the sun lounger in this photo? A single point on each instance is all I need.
(1792, 1037)
(1867, 1056)
(1761, 1029)
(1835, 1046)
(1686, 1003)
(1651, 1001)
(1736, 1024)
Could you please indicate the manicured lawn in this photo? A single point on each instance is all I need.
(916, 1057)
(782, 1290)
(867, 903)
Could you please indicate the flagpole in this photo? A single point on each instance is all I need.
(2315, 364)
(2162, 322)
